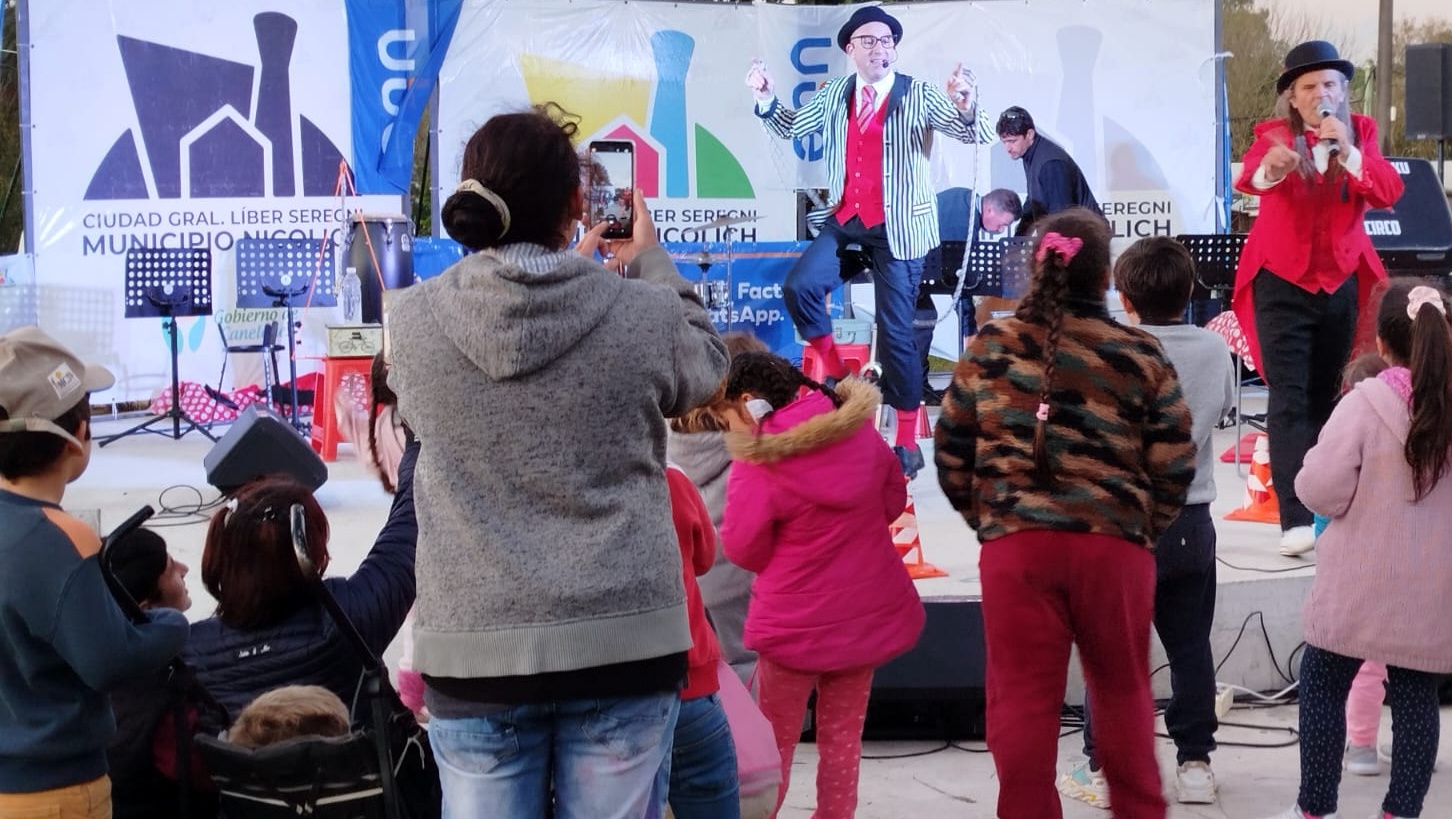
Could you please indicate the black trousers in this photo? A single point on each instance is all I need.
(1184, 613)
(1305, 340)
(1416, 727)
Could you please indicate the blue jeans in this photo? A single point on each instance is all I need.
(703, 763)
(895, 281)
(597, 759)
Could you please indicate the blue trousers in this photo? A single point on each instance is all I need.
(818, 272)
(704, 784)
(595, 759)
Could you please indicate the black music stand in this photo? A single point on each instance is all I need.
(1003, 269)
(1216, 256)
(165, 282)
(274, 273)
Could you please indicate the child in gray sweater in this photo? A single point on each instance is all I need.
(1155, 277)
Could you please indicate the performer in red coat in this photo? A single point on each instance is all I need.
(1308, 267)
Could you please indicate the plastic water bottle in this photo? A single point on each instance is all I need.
(350, 290)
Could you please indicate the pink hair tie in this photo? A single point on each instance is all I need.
(1043, 413)
(1423, 295)
(1066, 246)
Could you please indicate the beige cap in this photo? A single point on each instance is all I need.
(40, 380)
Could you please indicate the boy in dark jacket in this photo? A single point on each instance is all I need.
(63, 639)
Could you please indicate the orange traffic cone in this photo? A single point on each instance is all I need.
(905, 538)
(1260, 493)
(924, 431)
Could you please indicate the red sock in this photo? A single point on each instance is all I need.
(826, 350)
(907, 428)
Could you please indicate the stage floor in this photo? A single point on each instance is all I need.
(1253, 577)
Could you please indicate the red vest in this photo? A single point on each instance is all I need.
(862, 190)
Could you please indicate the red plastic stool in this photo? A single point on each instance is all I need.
(324, 436)
(855, 356)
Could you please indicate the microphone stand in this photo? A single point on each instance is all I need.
(284, 297)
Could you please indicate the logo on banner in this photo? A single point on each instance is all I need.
(650, 114)
(201, 134)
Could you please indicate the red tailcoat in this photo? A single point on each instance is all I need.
(1291, 211)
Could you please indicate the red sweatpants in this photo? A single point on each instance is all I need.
(1044, 591)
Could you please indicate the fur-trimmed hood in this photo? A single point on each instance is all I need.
(808, 424)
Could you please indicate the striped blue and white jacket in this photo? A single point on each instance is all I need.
(915, 109)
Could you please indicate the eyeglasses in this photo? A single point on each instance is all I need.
(868, 41)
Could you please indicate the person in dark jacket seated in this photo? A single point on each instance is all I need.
(268, 631)
(142, 756)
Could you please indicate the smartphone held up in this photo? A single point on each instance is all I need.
(611, 178)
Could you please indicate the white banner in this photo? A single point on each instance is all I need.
(1126, 86)
(179, 124)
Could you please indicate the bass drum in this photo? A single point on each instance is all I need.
(380, 247)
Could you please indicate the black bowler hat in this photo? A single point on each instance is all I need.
(863, 16)
(1312, 55)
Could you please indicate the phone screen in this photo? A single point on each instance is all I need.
(612, 180)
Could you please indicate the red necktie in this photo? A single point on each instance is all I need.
(865, 109)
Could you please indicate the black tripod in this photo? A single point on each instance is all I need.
(165, 304)
(168, 283)
(284, 297)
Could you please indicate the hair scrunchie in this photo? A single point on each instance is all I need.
(1066, 246)
(1422, 295)
(477, 188)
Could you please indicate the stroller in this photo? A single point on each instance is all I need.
(385, 769)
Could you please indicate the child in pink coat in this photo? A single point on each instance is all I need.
(1383, 586)
(808, 504)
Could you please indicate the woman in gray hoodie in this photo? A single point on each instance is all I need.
(550, 624)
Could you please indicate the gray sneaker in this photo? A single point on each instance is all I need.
(1361, 760)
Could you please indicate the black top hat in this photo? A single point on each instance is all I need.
(1312, 55)
(863, 16)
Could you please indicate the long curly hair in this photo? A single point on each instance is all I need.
(772, 378)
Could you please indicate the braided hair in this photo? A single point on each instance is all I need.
(1071, 260)
(772, 378)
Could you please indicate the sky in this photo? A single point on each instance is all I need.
(1354, 21)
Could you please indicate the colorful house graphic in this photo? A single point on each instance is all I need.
(671, 151)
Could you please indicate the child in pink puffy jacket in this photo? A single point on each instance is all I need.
(812, 491)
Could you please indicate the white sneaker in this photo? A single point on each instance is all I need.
(1195, 784)
(1361, 760)
(1086, 786)
(1298, 540)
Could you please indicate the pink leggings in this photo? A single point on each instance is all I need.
(1363, 706)
(841, 713)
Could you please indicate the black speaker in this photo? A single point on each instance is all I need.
(258, 444)
(934, 691)
(1429, 91)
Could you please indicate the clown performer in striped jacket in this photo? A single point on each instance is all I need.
(877, 127)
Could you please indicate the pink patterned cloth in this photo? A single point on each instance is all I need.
(200, 407)
(1228, 326)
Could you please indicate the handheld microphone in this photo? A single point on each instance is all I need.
(1333, 146)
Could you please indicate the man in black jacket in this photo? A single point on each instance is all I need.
(1055, 182)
